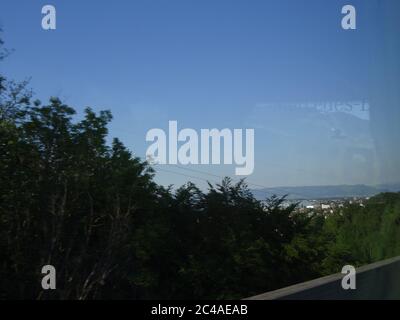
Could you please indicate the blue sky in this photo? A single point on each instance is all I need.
(234, 64)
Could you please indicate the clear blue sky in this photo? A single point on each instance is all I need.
(226, 63)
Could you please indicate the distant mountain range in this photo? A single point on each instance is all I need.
(325, 192)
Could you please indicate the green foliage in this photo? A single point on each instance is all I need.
(94, 212)
(363, 234)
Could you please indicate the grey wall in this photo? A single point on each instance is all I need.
(380, 281)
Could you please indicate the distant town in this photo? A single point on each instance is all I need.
(324, 206)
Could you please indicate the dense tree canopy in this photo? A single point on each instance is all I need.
(94, 212)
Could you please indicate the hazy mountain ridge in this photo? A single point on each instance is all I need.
(325, 192)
